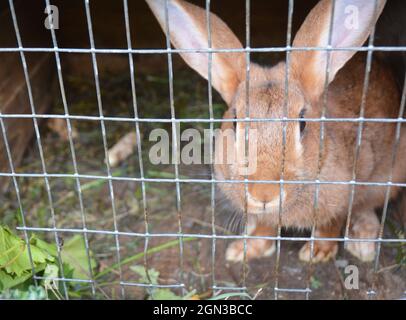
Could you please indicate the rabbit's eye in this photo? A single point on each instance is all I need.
(302, 123)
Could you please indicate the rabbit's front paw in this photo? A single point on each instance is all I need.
(364, 251)
(322, 251)
(364, 227)
(256, 248)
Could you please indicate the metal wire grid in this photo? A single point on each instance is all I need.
(288, 49)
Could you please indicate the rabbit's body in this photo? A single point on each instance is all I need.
(374, 164)
(295, 159)
(344, 101)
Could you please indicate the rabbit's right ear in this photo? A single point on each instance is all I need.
(350, 26)
(188, 30)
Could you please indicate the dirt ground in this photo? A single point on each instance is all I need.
(326, 281)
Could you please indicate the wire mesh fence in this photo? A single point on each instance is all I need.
(281, 182)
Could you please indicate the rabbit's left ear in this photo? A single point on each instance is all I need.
(188, 30)
(350, 25)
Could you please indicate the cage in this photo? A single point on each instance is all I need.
(90, 88)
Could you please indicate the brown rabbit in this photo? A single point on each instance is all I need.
(306, 86)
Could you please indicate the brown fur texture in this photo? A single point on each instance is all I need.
(306, 84)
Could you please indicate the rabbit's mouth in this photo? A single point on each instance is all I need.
(257, 207)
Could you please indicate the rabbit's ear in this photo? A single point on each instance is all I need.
(352, 23)
(188, 30)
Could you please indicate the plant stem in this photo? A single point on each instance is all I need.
(138, 256)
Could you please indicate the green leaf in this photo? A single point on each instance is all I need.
(315, 283)
(74, 257)
(51, 271)
(14, 258)
(225, 296)
(11, 249)
(32, 293)
(156, 293)
(15, 265)
(164, 294)
(39, 255)
(7, 281)
(153, 274)
(49, 248)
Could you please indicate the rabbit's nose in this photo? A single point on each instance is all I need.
(263, 194)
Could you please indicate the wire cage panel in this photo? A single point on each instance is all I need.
(179, 239)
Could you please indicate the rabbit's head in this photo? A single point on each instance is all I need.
(283, 150)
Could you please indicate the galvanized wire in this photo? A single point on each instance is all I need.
(104, 137)
(174, 140)
(212, 181)
(39, 144)
(72, 147)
